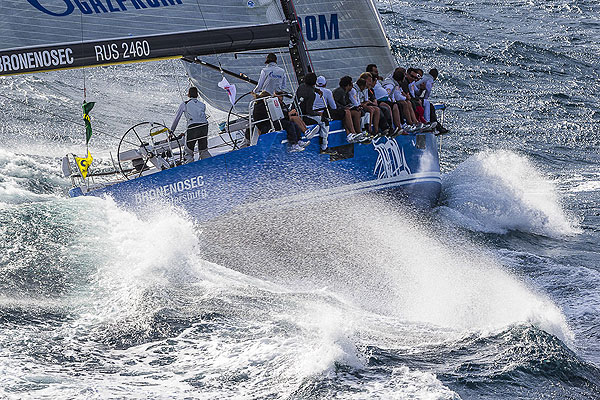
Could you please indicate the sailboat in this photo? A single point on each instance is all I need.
(214, 39)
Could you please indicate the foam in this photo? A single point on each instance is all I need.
(402, 383)
(386, 261)
(587, 186)
(274, 338)
(423, 276)
(144, 260)
(16, 171)
(498, 191)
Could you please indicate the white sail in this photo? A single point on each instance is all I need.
(342, 38)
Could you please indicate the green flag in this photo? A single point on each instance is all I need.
(87, 107)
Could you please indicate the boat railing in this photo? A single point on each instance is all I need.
(274, 113)
(99, 175)
(441, 107)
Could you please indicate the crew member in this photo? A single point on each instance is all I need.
(272, 78)
(324, 100)
(197, 125)
(305, 98)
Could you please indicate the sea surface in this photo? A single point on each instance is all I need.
(494, 294)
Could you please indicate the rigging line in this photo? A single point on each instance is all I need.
(60, 117)
(190, 83)
(83, 69)
(287, 73)
(84, 86)
(177, 80)
(396, 25)
(206, 26)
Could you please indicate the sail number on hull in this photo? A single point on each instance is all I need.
(111, 51)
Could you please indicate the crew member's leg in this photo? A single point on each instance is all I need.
(348, 124)
(376, 117)
(203, 142)
(373, 119)
(396, 115)
(312, 120)
(293, 116)
(323, 122)
(294, 134)
(356, 115)
(290, 130)
(427, 110)
(411, 118)
(191, 137)
(324, 133)
(387, 112)
(433, 114)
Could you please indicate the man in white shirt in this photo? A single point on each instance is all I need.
(425, 84)
(272, 77)
(384, 99)
(324, 100)
(197, 125)
(309, 95)
(393, 84)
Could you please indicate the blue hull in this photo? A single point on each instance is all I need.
(267, 174)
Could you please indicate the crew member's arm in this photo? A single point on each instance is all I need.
(329, 101)
(283, 87)
(428, 87)
(412, 87)
(261, 82)
(178, 117)
(398, 95)
(354, 97)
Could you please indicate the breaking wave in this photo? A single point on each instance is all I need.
(501, 191)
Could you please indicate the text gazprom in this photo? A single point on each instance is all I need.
(102, 6)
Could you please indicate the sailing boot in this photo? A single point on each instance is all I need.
(188, 155)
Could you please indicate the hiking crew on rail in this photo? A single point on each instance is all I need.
(370, 107)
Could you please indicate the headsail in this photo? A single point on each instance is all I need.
(40, 35)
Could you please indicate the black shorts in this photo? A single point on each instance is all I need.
(264, 127)
(389, 103)
(337, 113)
(360, 110)
(197, 133)
(308, 120)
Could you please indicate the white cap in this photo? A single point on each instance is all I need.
(321, 81)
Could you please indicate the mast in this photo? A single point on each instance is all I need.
(298, 50)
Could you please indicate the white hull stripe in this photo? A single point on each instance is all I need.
(361, 187)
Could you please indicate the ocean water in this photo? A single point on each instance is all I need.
(494, 294)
